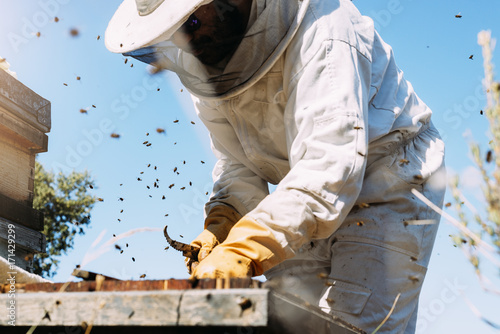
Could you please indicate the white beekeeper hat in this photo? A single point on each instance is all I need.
(140, 23)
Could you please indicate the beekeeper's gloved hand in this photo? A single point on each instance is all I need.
(218, 223)
(249, 250)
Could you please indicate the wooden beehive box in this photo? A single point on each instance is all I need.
(24, 122)
(172, 306)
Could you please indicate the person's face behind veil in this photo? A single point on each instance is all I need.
(214, 31)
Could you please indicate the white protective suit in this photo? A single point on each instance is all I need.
(326, 115)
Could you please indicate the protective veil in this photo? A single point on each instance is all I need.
(274, 25)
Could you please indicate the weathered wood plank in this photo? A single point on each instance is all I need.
(15, 170)
(144, 285)
(26, 238)
(23, 257)
(139, 308)
(20, 213)
(190, 310)
(227, 307)
(24, 134)
(19, 99)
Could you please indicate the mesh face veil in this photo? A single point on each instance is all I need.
(275, 24)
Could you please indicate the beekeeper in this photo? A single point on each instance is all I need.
(305, 95)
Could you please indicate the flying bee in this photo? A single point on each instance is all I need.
(38, 34)
(74, 32)
(65, 84)
(133, 259)
(471, 57)
(78, 78)
(404, 161)
(115, 135)
(83, 111)
(182, 188)
(170, 186)
(176, 121)
(175, 169)
(447, 205)
(193, 122)
(202, 161)
(360, 223)
(120, 199)
(126, 60)
(142, 276)
(139, 179)
(118, 247)
(148, 145)
(489, 156)
(160, 130)
(98, 37)
(145, 142)
(414, 279)
(56, 19)
(100, 199)
(91, 186)
(458, 16)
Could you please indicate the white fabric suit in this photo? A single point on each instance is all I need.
(334, 124)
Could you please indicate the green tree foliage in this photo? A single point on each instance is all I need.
(66, 204)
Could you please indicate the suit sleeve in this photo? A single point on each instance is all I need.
(235, 184)
(325, 116)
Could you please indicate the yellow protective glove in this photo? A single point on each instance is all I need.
(249, 250)
(218, 223)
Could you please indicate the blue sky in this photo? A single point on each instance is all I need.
(431, 45)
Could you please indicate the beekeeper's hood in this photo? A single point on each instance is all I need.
(143, 28)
